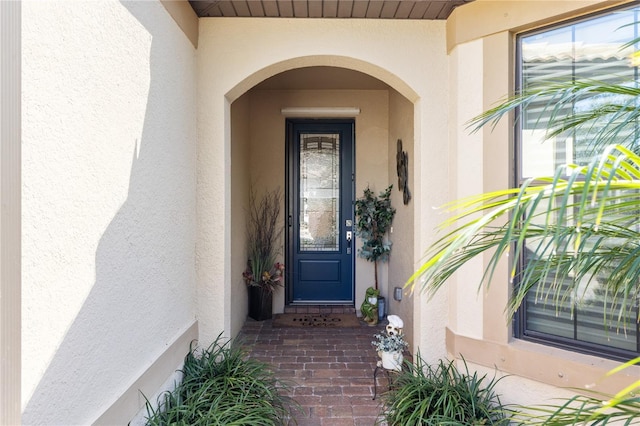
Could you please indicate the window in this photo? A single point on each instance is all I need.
(590, 49)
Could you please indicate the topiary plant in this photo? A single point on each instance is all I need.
(374, 217)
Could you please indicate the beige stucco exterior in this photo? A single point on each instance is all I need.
(278, 52)
(108, 200)
(141, 137)
(488, 50)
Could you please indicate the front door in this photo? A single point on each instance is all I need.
(320, 232)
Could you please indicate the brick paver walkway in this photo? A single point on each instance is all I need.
(330, 370)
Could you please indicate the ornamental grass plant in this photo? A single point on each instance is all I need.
(221, 386)
(264, 231)
(443, 395)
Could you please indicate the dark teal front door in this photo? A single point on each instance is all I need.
(320, 232)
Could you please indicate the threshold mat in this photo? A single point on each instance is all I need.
(316, 320)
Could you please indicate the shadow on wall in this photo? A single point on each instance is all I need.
(144, 292)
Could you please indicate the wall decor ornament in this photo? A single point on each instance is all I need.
(402, 167)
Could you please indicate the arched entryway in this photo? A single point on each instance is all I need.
(380, 116)
(240, 124)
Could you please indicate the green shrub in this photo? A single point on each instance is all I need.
(593, 409)
(423, 395)
(222, 386)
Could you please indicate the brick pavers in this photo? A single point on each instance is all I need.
(330, 370)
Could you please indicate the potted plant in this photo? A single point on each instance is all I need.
(390, 348)
(263, 274)
(374, 216)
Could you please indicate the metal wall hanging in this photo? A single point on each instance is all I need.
(402, 166)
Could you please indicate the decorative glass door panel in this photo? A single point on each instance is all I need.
(320, 192)
(320, 209)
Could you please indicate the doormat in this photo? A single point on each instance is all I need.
(316, 320)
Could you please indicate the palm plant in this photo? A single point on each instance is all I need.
(589, 211)
(578, 229)
(591, 218)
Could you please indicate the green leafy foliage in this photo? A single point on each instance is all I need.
(589, 214)
(374, 216)
(222, 386)
(580, 226)
(593, 409)
(607, 121)
(389, 343)
(592, 213)
(443, 395)
(590, 408)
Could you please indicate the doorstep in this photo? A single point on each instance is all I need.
(319, 309)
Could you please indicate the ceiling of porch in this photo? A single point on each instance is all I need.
(370, 9)
(321, 78)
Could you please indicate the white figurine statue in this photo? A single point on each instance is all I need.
(395, 325)
(390, 349)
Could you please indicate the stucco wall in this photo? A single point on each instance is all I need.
(372, 158)
(482, 64)
(466, 171)
(240, 187)
(108, 202)
(401, 261)
(235, 55)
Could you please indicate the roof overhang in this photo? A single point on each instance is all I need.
(363, 9)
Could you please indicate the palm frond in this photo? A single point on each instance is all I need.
(568, 242)
(593, 409)
(613, 117)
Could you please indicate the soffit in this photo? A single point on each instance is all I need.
(369, 9)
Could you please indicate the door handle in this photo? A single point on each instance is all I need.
(349, 236)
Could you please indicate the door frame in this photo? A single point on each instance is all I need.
(290, 215)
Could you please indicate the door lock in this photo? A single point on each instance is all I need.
(349, 236)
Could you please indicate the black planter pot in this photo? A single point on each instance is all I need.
(260, 303)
